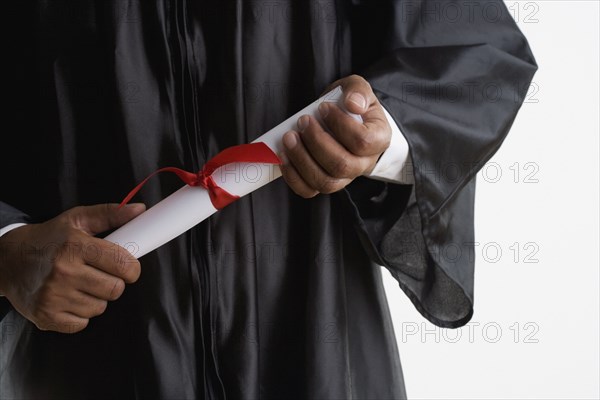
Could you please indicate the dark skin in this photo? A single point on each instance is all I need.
(318, 162)
(58, 275)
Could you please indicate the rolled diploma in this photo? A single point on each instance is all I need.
(190, 205)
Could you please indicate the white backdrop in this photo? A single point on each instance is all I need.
(535, 329)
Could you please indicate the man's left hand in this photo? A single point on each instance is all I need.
(315, 161)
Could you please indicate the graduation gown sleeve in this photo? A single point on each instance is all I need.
(453, 75)
(9, 215)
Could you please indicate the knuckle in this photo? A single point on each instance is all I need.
(73, 215)
(341, 168)
(364, 143)
(61, 270)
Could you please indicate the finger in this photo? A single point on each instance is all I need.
(308, 168)
(334, 158)
(294, 180)
(367, 139)
(85, 306)
(64, 322)
(99, 284)
(358, 93)
(112, 259)
(103, 217)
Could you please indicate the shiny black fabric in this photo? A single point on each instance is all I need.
(275, 296)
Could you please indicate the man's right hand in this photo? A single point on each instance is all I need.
(58, 275)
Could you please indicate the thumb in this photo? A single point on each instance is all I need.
(103, 217)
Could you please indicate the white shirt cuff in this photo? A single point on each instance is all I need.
(9, 228)
(395, 164)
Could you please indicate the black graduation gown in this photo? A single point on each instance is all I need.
(274, 296)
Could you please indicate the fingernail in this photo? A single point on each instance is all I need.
(283, 158)
(289, 140)
(359, 100)
(324, 109)
(137, 205)
(303, 123)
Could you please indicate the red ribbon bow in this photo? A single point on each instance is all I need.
(252, 152)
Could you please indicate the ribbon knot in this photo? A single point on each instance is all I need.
(204, 179)
(219, 197)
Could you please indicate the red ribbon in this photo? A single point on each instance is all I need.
(252, 152)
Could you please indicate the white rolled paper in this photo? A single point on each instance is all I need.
(189, 206)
